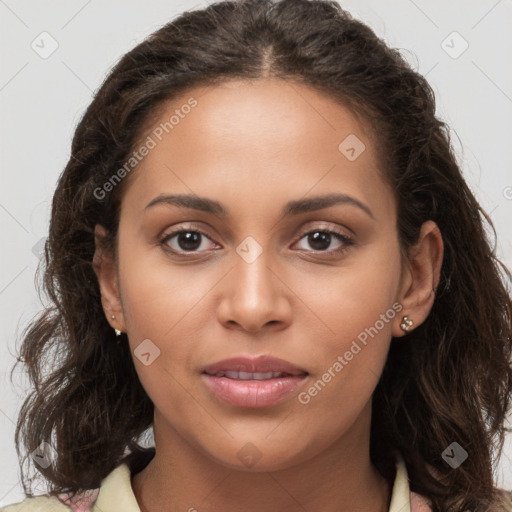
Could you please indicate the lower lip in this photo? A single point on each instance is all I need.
(253, 393)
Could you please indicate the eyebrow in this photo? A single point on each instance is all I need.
(296, 207)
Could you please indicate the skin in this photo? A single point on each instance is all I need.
(254, 146)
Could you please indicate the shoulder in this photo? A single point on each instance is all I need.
(37, 504)
(420, 503)
(81, 502)
(115, 493)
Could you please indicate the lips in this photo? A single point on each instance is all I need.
(258, 368)
(253, 382)
(235, 374)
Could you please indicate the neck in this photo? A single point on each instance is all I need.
(340, 479)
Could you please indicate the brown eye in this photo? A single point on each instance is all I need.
(186, 240)
(319, 240)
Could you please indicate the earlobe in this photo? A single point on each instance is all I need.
(105, 269)
(422, 277)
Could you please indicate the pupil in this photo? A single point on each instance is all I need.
(189, 241)
(324, 239)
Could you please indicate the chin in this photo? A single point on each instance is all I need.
(259, 457)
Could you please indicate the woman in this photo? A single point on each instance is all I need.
(263, 247)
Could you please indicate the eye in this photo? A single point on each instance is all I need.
(193, 240)
(321, 239)
(187, 240)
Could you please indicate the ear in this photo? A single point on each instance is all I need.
(105, 269)
(420, 277)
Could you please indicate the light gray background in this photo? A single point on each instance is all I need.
(41, 101)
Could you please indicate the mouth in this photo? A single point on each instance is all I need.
(259, 368)
(253, 382)
(239, 375)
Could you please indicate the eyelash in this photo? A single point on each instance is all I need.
(347, 241)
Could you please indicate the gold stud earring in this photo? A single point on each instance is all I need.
(406, 324)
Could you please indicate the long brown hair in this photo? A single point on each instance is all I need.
(449, 381)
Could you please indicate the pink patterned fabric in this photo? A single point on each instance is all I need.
(82, 502)
(419, 503)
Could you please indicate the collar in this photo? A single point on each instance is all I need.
(402, 498)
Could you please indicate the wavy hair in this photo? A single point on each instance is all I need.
(448, 380)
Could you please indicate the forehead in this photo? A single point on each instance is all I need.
(257, 137)
(275, 111)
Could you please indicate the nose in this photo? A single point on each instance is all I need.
(255, 296)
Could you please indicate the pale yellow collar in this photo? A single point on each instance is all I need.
(400, 496)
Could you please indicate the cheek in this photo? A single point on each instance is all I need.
(159, 297)
(352, 298)
(356, 308)
(159, 306)
(348, 365)
(160, 303)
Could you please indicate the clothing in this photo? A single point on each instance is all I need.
(116, 493)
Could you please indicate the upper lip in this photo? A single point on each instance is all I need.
(260, 364)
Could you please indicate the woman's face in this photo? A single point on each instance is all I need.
(316, 287)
